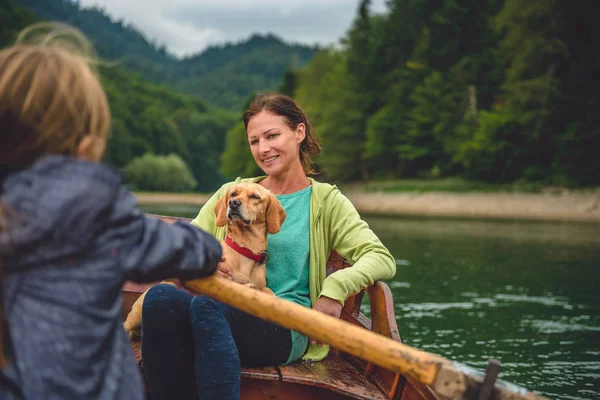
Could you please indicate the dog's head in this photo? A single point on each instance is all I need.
(250, 203)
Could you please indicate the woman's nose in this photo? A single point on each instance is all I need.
(263, 147)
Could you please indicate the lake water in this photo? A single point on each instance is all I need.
(526, 293)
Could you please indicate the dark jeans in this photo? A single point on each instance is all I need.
(194, 345)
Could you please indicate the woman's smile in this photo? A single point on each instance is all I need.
(269, 160)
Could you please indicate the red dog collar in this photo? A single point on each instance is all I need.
(260, 258)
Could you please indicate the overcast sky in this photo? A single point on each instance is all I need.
(189, 26)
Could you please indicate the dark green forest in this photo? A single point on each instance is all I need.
(492, 90)
(487, 90)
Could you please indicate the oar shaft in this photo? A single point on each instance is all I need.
(352, 339)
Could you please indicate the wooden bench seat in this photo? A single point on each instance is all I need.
(332, 374)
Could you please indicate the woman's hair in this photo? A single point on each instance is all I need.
(50, 99)
(286, 107)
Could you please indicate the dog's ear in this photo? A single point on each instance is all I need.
(275, 214)
(221, 211)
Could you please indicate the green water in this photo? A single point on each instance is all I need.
(526, 293)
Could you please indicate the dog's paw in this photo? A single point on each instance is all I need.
(135, 334)
(132, 333)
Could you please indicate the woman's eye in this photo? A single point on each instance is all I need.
(273, 136)
(253, 142)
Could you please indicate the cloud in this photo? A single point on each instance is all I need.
(189, 26)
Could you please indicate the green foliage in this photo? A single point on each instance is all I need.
(485, 89)
(430, 124)
(289, 84)
(12, 19)
(497, 152)
(159, 173)
(150, 118)
(335, 114)
(237, 159)
(451, 185)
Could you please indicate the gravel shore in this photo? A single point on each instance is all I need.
(564, 206)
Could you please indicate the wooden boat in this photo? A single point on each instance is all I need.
(340, 375)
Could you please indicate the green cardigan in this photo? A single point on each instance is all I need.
(334, 225)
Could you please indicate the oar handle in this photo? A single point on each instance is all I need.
(427, 368)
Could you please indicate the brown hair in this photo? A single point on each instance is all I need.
(50, 99)
(280, 104)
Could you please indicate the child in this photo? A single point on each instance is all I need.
(70, 233)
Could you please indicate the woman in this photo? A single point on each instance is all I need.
(195, 344)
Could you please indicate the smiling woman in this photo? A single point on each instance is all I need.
(319, 220)
(279, 135)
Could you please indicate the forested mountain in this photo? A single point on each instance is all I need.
(223, 76)
(147, 118)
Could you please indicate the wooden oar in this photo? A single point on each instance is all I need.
(446, 378)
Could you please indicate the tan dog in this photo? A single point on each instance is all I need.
(250, 211)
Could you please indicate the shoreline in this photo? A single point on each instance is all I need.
(568, 206)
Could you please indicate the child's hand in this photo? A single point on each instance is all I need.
(223, 270)
(327, 306)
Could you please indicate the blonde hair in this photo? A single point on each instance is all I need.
(50, 99)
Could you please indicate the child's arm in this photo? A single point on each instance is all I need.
(150, 249)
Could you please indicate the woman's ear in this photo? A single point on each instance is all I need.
(300, 133)
(221, 211)
(275, 215)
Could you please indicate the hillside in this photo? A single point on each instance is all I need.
(147, 117)
(224, 76)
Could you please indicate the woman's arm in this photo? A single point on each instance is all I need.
(352, 238)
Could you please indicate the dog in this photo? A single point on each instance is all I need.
(250, 211)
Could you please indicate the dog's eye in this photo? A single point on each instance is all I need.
(233, 194)
(254, 196)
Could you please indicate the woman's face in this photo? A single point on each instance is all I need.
(275, 147)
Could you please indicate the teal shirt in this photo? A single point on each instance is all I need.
(289, 259)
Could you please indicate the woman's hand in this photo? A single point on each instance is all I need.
(223, 270)
(327, 306)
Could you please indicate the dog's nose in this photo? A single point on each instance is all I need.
(235, 203)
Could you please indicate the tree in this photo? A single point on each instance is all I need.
(430, 128)
(289, 83)
(159, 173)
(237, 159)
(533, 52)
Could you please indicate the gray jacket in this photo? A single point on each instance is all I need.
(74, 234)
